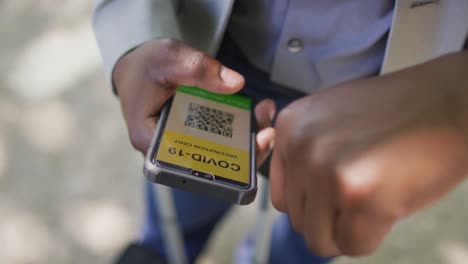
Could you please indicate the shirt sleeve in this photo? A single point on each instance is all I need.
(121, 25)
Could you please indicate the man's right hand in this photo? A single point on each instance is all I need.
(148, 76)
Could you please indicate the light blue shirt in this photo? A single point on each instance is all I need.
(310, 44)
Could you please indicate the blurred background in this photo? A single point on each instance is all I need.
(70, 183)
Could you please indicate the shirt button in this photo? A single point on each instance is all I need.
(295, 45)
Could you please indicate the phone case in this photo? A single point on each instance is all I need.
(181, 180)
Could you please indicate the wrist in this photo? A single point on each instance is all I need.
(442, 88)
(461, 85)
(459, 82)
(119, 70)
(448, 77)
(464, 92)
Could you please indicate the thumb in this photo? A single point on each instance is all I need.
(188, 66)
(264, 113)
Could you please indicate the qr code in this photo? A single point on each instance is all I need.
(209, 119)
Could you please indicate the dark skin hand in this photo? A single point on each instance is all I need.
(352, 160)
(147, 77)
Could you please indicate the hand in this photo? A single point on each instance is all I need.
(147, 77)
(352, 160)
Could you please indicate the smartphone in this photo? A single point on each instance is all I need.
(205, 143)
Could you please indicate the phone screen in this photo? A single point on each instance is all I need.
(208, 135)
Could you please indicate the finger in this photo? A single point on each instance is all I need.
(318, 232)
(265, 143)
(141, 120)
(320, 215)
(264, 113)
(365, 214)
(188, 66)
(296, 190)
(277, 182)
(296, 199)
(141, 133)
(359, 233)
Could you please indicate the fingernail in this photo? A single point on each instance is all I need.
(272, 115)
(272, 144)
(231, 78)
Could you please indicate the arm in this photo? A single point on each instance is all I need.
(122, 25)
(352, 160)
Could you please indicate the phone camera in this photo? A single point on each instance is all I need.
(202, 175)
